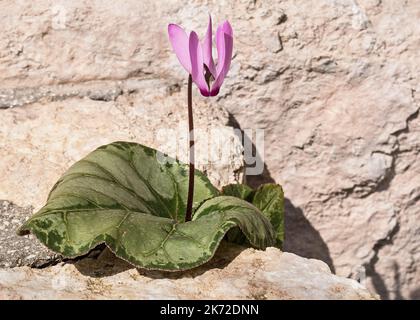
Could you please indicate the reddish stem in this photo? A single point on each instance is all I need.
(188, 214)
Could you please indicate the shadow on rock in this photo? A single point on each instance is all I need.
(302, 238)
(415, 294)
(101, 262)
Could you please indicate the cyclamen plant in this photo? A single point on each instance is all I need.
(165, 216)
(197, 60)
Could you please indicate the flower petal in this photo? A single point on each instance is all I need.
(207, 50)
(180, 44)
(197, 66)
(223, 29)
(224, 43)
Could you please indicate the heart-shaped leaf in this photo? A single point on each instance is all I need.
(121, 195)
(269, 198)
(241, 191)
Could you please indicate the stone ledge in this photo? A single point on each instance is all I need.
(234, 273)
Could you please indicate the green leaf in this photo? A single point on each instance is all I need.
(241, 191)
(269, 198)
(121, 195)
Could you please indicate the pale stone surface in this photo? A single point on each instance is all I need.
(333, 83)
(232, 274)
(41, 140)
(342, 135)
(20, 251)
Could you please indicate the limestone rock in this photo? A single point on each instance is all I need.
(40, 141)
(334, 84)
(20, 251)
(341, 131)
(234, 273)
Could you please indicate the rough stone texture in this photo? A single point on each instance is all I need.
(232, 274)
(334, 83)
(20, 251)
(41, 140)
(342, 131)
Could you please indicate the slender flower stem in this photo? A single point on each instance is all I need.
(188, 214)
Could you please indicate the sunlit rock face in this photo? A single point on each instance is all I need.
(334, 85)
(234, 273)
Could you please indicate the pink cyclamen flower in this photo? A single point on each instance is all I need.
(196, 57)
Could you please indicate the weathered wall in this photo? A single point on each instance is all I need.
(333, 83)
